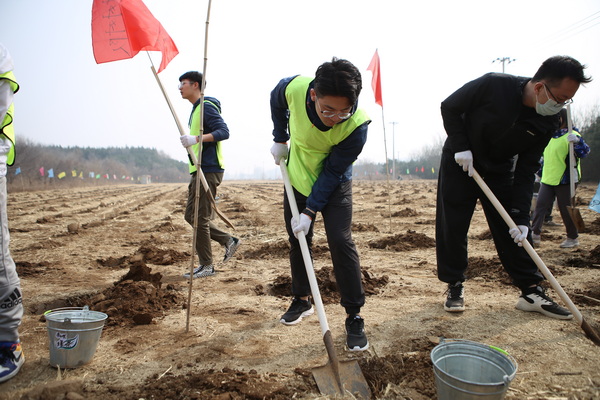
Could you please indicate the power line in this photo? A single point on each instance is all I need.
(567, 32)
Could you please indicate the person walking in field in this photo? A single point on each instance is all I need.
(499, 124)
(556, 179)
(11, 299)
(215, 130)
(326, 133)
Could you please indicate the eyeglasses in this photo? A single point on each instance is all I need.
(564, 103)
(182, 83)
(331, 114)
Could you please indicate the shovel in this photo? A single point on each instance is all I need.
(587, 328)
(573, 177)
(336, 377)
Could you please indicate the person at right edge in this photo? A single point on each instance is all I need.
(327, 132)
(499, 125)
(11, 300)
(556, 181)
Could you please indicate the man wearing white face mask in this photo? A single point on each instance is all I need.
(500, 125)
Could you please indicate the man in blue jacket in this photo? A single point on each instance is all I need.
(214, 130)
(499, 124)
(326, 133)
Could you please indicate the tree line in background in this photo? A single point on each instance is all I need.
(590, 165)
(114, 165)
(40, 166)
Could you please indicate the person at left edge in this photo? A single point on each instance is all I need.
(215, 130)
(327, 132)
(11, 300)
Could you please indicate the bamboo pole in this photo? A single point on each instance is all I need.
(199, 173)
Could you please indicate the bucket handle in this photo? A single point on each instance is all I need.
(84, 308)
(444, 340)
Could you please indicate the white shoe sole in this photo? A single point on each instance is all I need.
(454, 309)
(524, 305)
(356, 348)
(297, 321)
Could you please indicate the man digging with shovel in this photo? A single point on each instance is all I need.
(327, 132)
(499, 125)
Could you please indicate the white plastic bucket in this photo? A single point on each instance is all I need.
(466, 370)
(74, 334)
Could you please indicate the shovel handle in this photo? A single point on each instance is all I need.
(573, 174)
(312, 279)
(527, 246)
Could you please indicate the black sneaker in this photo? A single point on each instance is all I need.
(535, 299)
(201, 271)
(455, 301)
(298, 310)
(356, 338)
(231, 247)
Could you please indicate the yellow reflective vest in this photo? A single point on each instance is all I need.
(6, 128)
(309, 146)
(556, 155)
(195, 131)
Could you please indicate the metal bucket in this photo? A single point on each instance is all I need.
(74, 334)
(466, 370)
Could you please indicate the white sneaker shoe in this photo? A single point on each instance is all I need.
(535, 299)
(569, 243)
(537, 239)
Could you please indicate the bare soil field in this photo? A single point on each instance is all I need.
(122, 250)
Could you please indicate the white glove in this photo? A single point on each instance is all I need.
(573, 138)
(188, 140)
(465, 160)
(279, 151)
(519, 234)
(303, 226)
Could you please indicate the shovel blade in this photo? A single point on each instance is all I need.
(576, 217)
(350, 377)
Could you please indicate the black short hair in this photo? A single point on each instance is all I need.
(557, 68)
(338, 78)
(192, 76)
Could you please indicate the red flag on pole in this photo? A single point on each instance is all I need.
(123, 28)
(376, 81)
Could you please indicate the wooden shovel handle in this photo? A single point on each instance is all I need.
(310, 271)
(590, 332)
(527, 246)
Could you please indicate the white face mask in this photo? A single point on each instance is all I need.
(550, 107)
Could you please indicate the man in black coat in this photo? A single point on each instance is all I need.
(499, 124)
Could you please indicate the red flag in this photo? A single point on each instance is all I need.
(376, 81)
(123, 28)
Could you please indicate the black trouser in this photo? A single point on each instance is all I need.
(456, 199)
(337, 217)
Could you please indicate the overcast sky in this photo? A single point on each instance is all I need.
(427, 49)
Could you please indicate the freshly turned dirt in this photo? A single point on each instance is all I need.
(122, 250)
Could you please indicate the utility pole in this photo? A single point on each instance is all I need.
(394, 149)
(504, 60)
